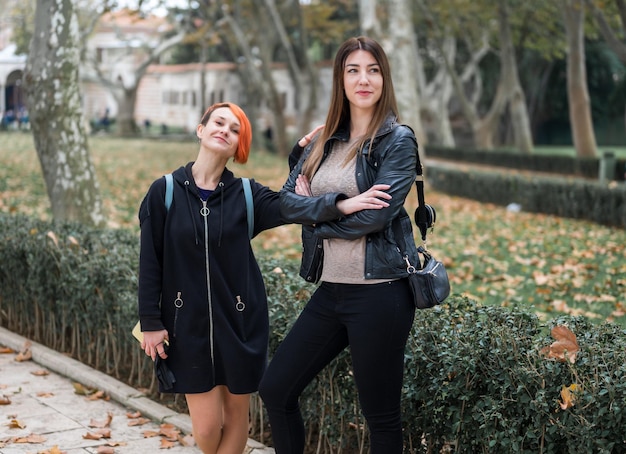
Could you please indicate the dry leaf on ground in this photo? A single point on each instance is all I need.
(102, 424)
(564, 348)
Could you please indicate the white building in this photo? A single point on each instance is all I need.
(168, 94)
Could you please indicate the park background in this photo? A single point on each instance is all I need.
(485, 76)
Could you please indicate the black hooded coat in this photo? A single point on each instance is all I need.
(199, 280)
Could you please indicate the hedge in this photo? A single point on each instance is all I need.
(566, 197)
(564, 165)
(477, 378)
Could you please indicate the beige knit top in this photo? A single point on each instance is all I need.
(344, 260)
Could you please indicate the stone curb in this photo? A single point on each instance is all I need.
(120, 392)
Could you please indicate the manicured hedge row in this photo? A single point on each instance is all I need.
(565, 165)
(476, 377)
(566, 197)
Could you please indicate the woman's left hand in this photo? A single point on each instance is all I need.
(375, 198)
(303, 187)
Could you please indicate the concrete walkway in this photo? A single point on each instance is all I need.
(41, 412)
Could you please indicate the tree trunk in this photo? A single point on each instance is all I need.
(517, 99)
(577, 93)
(435, 97)
(125, 122)
(54, 103)
(404, 66)
(370, 25)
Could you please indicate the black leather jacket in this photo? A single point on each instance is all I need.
(393, 160)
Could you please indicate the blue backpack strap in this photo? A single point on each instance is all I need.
(247, 191)
(169, 190)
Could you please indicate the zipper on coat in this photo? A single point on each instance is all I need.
(178, 303)
(240, 306)
(204, 211)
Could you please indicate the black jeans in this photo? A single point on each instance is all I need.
(375, 321)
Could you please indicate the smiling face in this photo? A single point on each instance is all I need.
(362, 80)
(221, 132)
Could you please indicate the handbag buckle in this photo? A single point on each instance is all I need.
(409, 268)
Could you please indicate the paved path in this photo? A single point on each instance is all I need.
(41, 412)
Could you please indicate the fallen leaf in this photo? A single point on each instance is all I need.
(32, 438)
(187, 440)
(564, 348)
(6, 350)
(98, 395)
(167, 444)
(169, 431)
(102, 424)
(137, 414)
(83, 390)
(45, 394)
(5, 400)
(105, 450)
(150, 433)
(40, 373)
(138, 422)
(92, 436)
(53, 237)
(98, 434)
(24, 355)
(106, 433)
(568, 397)
(16, 424)
(54, 450)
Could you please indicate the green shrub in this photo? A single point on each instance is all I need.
(475, 378)
(476, 381)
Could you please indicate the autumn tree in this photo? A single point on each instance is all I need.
(475, 24)
(139, 52)
(577, 93)
(51, 81)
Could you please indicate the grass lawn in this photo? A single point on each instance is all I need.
(548, 264)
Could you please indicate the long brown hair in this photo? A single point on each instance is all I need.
(339, 110)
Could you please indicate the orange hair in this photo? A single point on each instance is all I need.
(245, 129)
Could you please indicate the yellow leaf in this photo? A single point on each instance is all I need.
(15, 424)
(568, 397)
(83, 390)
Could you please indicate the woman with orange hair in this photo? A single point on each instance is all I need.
(202, 303)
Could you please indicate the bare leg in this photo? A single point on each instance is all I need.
(236, 422)
(205, 410)
(220, 420)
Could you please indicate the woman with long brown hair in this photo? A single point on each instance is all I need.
(348, 189)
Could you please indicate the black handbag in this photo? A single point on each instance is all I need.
(428, 279)
(429, 284)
